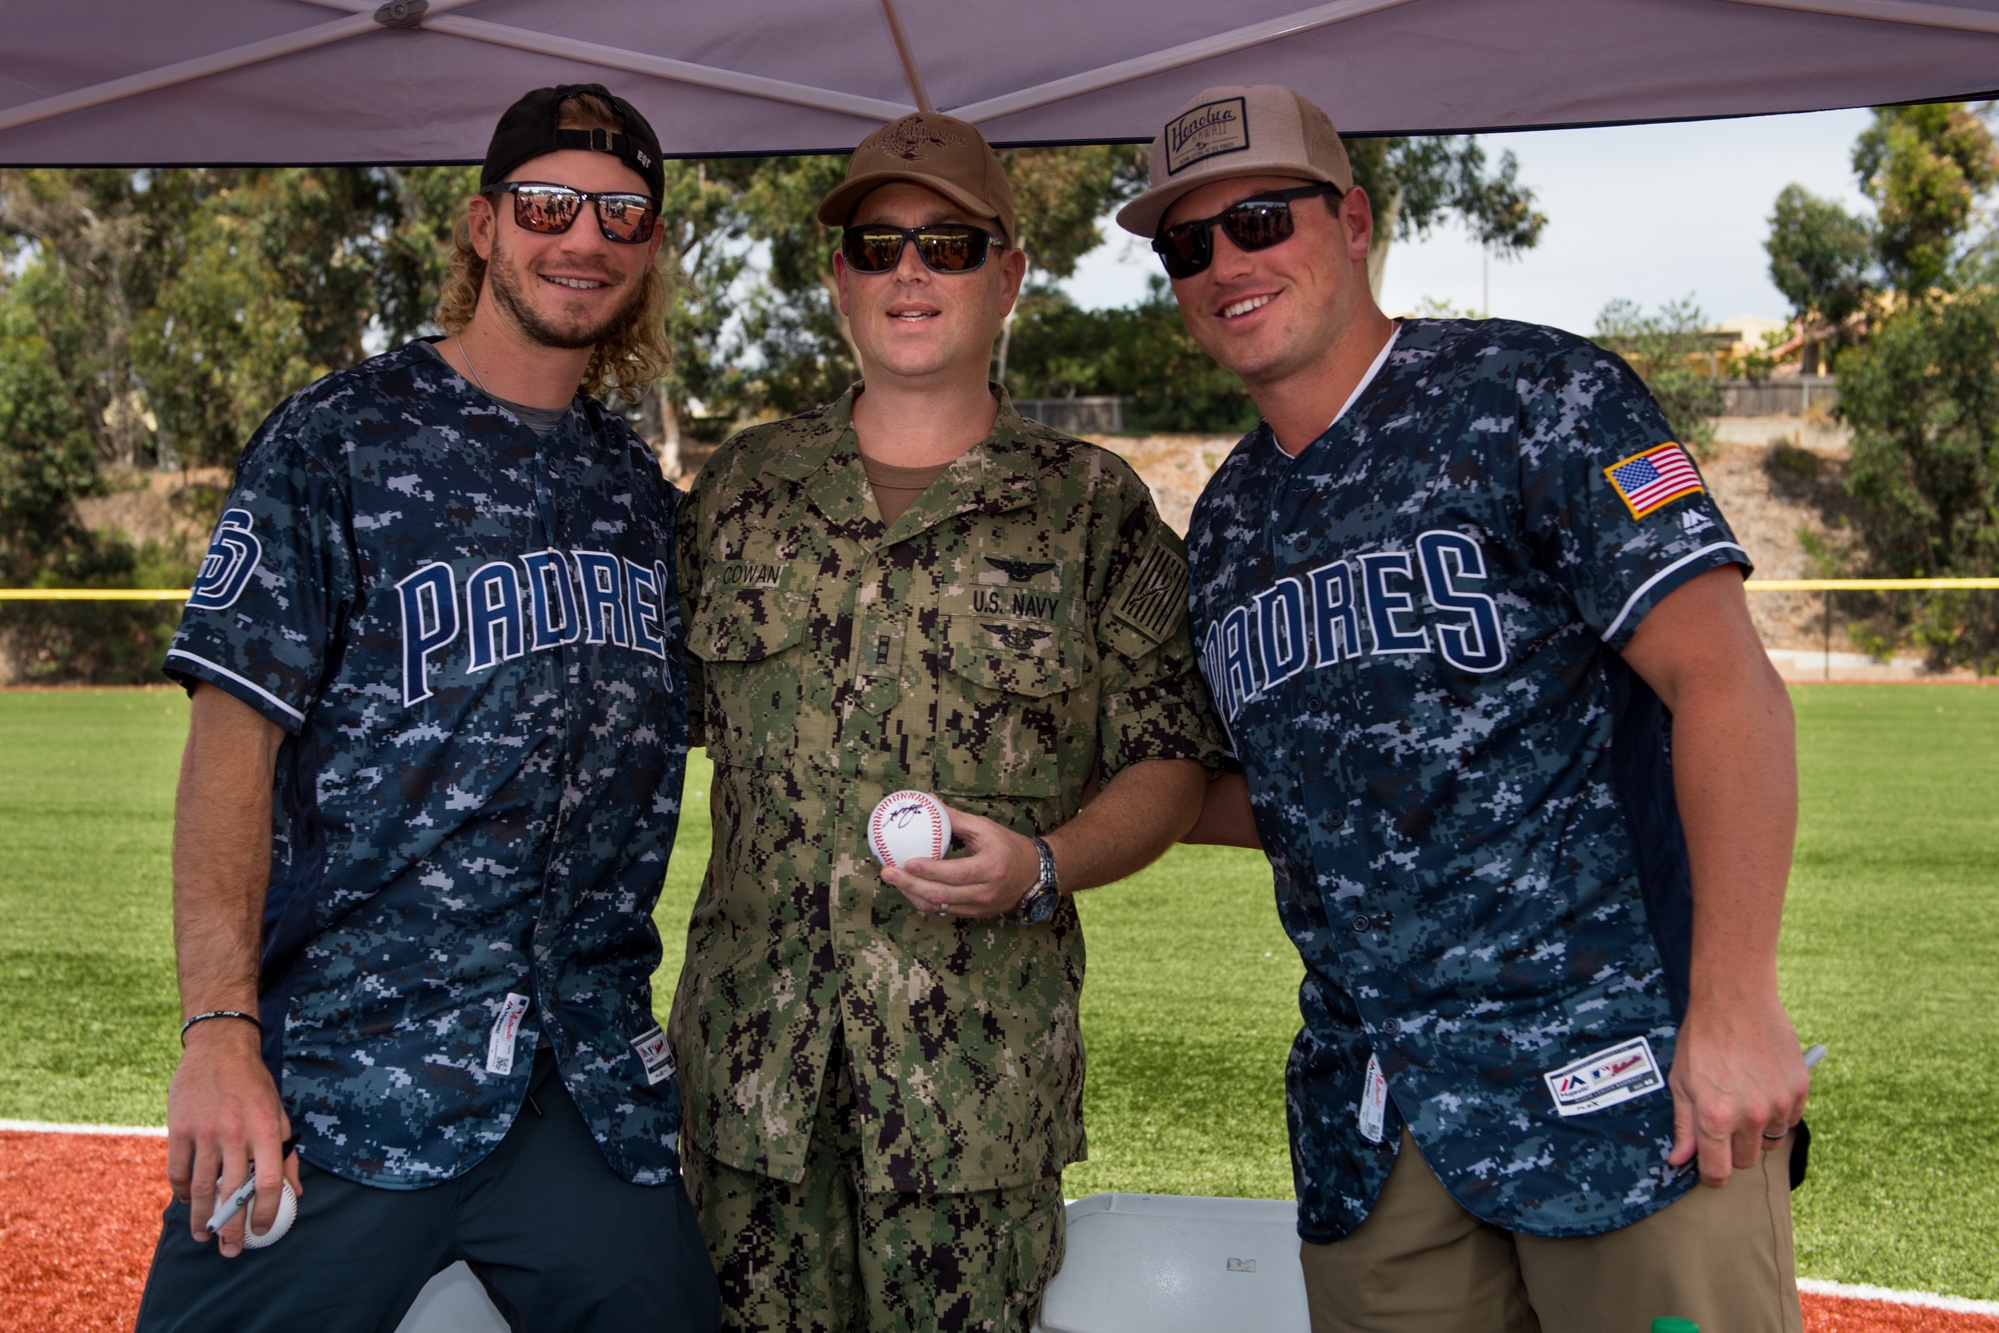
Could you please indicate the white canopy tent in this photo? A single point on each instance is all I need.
(132, 82)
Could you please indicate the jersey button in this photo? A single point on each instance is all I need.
(1315, 705)
(1336, 819)
(1360, 923)
(1391, 1026)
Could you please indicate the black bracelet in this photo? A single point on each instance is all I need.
(251, 1019)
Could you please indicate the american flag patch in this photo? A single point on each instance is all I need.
(1657, 477)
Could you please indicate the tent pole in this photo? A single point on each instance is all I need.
(186, 71)
(908, 60)
(658, 67)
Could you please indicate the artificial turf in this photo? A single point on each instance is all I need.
(1890, 957)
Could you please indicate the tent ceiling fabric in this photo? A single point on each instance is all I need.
(129, 82)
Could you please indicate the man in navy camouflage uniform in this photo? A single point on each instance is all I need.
(431, 784)
(1523, 771)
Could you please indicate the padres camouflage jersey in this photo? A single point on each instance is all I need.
(1412, 632)
(472, 635)
(1020, 626)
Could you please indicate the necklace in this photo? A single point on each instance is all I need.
(476, 377)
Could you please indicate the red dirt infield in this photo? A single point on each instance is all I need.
(71, 1267)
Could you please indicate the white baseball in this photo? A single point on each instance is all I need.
(287, 1214)
(909, 825)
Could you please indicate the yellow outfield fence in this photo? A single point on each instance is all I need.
(94, 594)
(1753, 585)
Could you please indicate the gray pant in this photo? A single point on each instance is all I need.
(560, 1241)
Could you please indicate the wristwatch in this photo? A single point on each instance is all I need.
(1039, 903)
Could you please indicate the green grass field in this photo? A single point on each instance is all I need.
(1890, 957)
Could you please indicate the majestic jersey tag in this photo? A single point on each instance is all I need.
(500, 1045)
(1373, 1100)
(1612, 1075)
(654, 1054)
(1653, 479)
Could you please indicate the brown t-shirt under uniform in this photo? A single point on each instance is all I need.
(897, 488)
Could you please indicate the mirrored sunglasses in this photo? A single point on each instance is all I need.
(1256, 223)
(944, 247)
(552, 210)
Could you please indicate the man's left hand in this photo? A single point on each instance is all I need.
(1739, 1085)
(998, 870)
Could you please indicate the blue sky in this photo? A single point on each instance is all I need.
(1647, 212)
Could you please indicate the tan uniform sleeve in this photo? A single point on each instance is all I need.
(1153, 703)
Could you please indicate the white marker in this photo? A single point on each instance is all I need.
(232, 1205)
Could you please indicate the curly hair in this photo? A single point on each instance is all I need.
(632, 359)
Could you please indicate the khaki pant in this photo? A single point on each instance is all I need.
(825, 1256)
(1421, 1264)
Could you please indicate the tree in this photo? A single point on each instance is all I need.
(1143, 353)
(1922, 396)
(1414, 184)
(1822, 259)
(1924, 167)
(1914, 295)
(149, 318)
(1668, 351)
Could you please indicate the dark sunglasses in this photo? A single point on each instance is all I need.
(552, 210)
(944, 247)
(1256, 223)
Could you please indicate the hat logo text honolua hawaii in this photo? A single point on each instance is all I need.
(1205, 131)
(910, 139)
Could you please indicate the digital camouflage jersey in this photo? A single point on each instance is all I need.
(1412, 633)
(472, 636)
(1021, 626)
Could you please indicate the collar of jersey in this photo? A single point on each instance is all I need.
(1373, 369)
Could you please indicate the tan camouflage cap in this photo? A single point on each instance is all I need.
(934, 151)
(1260, 129)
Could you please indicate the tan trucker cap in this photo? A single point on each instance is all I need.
(943, 154)
(1262, 129)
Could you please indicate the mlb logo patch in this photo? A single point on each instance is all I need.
(1653, 479)
(1607, 1077)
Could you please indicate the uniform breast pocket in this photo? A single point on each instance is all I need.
(760, 693)
(1016, 706)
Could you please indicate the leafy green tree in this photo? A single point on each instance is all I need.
(1822, 259)
(1143, 353)
(1668, 350)
(1415, 184)
(1922, 396)
(1924, 168)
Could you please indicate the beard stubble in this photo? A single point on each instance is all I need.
(505, 279)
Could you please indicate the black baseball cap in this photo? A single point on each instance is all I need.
(529, 129)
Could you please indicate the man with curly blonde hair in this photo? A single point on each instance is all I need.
(431, 784)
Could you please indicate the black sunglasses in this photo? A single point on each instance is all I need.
(944, 247)
(1257, 223)
(552, 210)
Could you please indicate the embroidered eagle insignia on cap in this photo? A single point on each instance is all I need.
(910, 139)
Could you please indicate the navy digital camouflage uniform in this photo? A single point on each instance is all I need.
(471, 635)
(1412, 632)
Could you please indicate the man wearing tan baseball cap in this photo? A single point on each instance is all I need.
(1521, 766)
(914, 588)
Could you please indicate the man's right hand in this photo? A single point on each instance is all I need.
(223, 1113)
